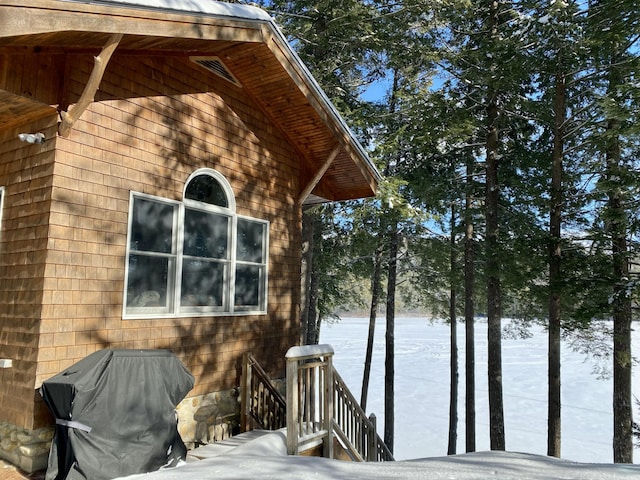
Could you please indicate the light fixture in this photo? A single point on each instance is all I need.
(31, 137)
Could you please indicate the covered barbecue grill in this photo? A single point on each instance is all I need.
(115, 414)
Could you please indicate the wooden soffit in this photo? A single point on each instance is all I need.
(16, 110)
(254, 50)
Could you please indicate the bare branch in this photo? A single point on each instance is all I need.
(90, 89)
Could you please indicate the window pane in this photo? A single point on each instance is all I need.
(205, 234)
(250, 241)
(148, 281)
(202, 283)
(152, 226)
(248, 286)
(205, 188)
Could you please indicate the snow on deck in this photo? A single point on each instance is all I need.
(262, 455)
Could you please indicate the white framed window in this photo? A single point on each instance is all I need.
(195, 257)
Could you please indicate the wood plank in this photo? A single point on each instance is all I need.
(4, 69)
(318, 176)
(15, 109)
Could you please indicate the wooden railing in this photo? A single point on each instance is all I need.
(320, 405)
(319, 408)
(357, 432)
(309, 399)
(262, 406)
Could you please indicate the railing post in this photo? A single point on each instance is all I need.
(292, 406)
(372, 440)
(328, 406)
(310, 398)
(245, 399)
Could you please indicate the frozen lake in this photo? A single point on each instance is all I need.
(422, 389)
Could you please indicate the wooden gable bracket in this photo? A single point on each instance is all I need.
(90, 89)
(319, 174)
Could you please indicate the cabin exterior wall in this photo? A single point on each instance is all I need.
(63, 233)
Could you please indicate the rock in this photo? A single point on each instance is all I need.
(34, 450)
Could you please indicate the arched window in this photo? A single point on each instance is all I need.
(195, 257)
(208, 186)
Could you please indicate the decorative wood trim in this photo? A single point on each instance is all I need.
(319, 174)
(100, 64)
(288, 94)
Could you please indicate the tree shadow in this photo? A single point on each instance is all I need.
(154, 121)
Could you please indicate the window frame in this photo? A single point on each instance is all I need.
(2, 190)
(264, 265)
(176, 308)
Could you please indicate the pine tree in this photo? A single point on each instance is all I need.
(555, 35)
(614, 28)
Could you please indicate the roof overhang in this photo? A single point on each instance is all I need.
(245, 38)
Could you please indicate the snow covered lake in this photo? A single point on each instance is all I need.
(422, 389)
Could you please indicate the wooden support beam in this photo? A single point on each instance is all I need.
(319, 174)
(100, 64)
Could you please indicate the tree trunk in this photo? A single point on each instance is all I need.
(392, 272)
(622, 394)
(376, 288)
(622, 405)
(555, 274)
(389, 368)
(305, 271)
(622, 359)
(310, 279)
(313, 333)
(621, 305)
(469, 317)
(494, 320)
(453, 382)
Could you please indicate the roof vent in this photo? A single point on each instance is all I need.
(215, 65)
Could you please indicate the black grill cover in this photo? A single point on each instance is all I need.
(115, 414)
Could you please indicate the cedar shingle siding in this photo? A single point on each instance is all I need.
(62, 249)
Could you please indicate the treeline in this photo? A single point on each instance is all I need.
(507, 135)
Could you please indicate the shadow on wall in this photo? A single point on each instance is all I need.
(167, 135)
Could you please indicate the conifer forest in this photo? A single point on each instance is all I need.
(508, 139)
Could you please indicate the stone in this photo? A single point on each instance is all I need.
(8, 445)
(26, 437)
(34, 450)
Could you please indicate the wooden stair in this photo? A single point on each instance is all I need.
(320, 414)
(253, 442)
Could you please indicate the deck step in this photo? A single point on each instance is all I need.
(255, 442)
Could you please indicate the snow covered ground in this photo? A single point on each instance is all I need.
(478, 466)
(422, 389)
(265, 458)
